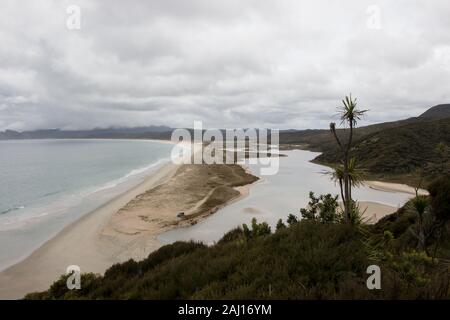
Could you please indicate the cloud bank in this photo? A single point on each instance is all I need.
(278, 63)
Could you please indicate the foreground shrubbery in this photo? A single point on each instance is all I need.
(302, 261)
(314, 258)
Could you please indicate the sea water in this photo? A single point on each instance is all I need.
(47, 184)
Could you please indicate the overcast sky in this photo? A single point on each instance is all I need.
(229, 63)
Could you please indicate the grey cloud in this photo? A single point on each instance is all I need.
(229, 63)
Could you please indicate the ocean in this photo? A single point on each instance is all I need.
(47, 184)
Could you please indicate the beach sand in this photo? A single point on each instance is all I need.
(393, 187)
(127, 226)
(374, 211)
(77, 244)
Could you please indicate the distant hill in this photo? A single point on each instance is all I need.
(150, 132)
(389, 150)
(440, 111)
(399, 151)
(394, 150)
(321, 140)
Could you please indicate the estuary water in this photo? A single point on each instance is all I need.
(275, 197)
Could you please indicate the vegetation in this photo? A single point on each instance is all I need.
(312, 258)
(322, 209)
(349, 114)
(444, 153)
(323, 255)
(390, 151)
(397, 153)
(258, 230)
(355, 175)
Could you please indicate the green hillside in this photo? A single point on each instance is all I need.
(440, 111)
(399, 152)
(389, 151)
(322, 140)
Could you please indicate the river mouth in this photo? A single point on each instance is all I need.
(277, 196)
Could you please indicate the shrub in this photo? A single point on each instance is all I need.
(440, 198)
(258, 229)
(322, 208)
(291, 219)
(280, 225)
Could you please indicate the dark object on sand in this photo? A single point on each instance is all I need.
(180, 215)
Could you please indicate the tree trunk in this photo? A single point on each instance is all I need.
(421, 242)
(342, 193)
(346, 191)
(347, 185)
(344, 196)
(342, 190)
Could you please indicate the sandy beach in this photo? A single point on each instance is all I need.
(374, 211)
(393, 187)
(79, 244)
(127, 226)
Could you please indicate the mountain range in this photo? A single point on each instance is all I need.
(155, 132)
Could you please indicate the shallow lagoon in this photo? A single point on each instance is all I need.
(275, 197)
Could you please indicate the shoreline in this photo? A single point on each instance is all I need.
(78, 239)
(374, 211)
(393, 187)
(119, 230)
(127, 226)
(116, 187)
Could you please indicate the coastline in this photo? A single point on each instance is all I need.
(76, 244)
(374, 211)
(393, 187)
(126, 227)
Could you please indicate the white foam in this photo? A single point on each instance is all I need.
(71, 201)
(131, 174)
